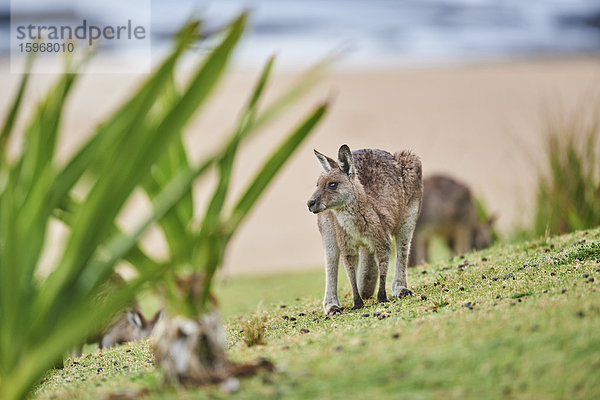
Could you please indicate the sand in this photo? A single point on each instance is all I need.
(482, 123)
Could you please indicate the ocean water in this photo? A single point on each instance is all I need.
(369, 31)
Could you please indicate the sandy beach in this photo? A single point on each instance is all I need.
(482, 123)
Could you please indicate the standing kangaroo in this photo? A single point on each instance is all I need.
(449, 211)
(362, 201)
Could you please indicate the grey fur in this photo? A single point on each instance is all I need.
(365, 200)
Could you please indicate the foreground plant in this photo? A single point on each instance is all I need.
(43, 317)
(190, 345)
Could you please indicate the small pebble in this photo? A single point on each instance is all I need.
(495, 278)
(564, 291)
(483, 277)
(545, 290)
(338, 348)
(365, 315)
(282, 306)
(461, 288)
(591, 280)
(382, 316)
(423, 297)
(304, 330)
(285, 317)
(483, 259)
(552, 273)
(396, 335)
(519, 300)
(292, 318)
(580, 314)
(446, 290)
(498, 296)
(423, 272)
(301, 314)
(586, 275)
(315, 319)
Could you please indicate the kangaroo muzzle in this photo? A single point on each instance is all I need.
(314, 206)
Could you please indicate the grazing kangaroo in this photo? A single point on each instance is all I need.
(448, 211)
(127, 326)
(364, 200)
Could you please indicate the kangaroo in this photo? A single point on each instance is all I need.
(127, 326)
(449, 211)
(364, 200)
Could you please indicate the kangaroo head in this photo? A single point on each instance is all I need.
(129, 327)
(336, 184)
(482, 233)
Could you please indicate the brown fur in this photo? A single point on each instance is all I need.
(127, 326)
(377, 196)
(448, 211)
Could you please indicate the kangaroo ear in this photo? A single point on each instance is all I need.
(326, 162)
(158, 316)
(135, 318)
(345, 160)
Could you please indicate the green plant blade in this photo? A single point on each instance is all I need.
(227, 157)
(11, 117)
(212, 246)
(277, 159)
(140, 150)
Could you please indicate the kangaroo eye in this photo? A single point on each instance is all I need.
(332, 185)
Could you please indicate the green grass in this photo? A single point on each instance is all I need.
(512, 321)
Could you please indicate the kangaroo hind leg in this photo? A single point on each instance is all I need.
(403, 241)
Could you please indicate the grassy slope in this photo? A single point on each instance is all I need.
(532, 331)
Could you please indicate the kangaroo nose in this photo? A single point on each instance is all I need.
(311, 203)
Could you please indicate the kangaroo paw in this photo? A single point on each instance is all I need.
(404, 292)
(333, 309)
(358, 304)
